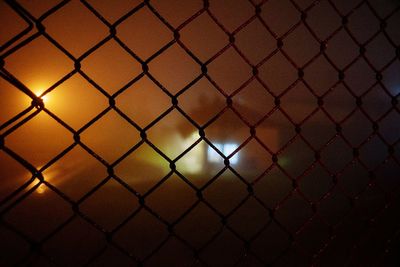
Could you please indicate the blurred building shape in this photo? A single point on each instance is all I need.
(227, 135)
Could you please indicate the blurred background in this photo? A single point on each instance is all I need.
(199, 133)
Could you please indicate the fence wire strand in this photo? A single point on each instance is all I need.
(249, 253)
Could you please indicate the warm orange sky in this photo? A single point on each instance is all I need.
(39, 65)
(290, 109)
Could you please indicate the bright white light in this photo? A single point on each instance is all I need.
(226, 149)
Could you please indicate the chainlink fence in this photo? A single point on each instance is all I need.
(200, 133)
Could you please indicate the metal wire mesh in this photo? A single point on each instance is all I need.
(334, 180)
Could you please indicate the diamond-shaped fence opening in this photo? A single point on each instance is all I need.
(203, 29)
(74, 36)
(199, 133)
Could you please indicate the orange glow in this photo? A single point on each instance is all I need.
(39, 93)
(41, 189)
(38, 89)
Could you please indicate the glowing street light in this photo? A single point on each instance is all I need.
(38, 93)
